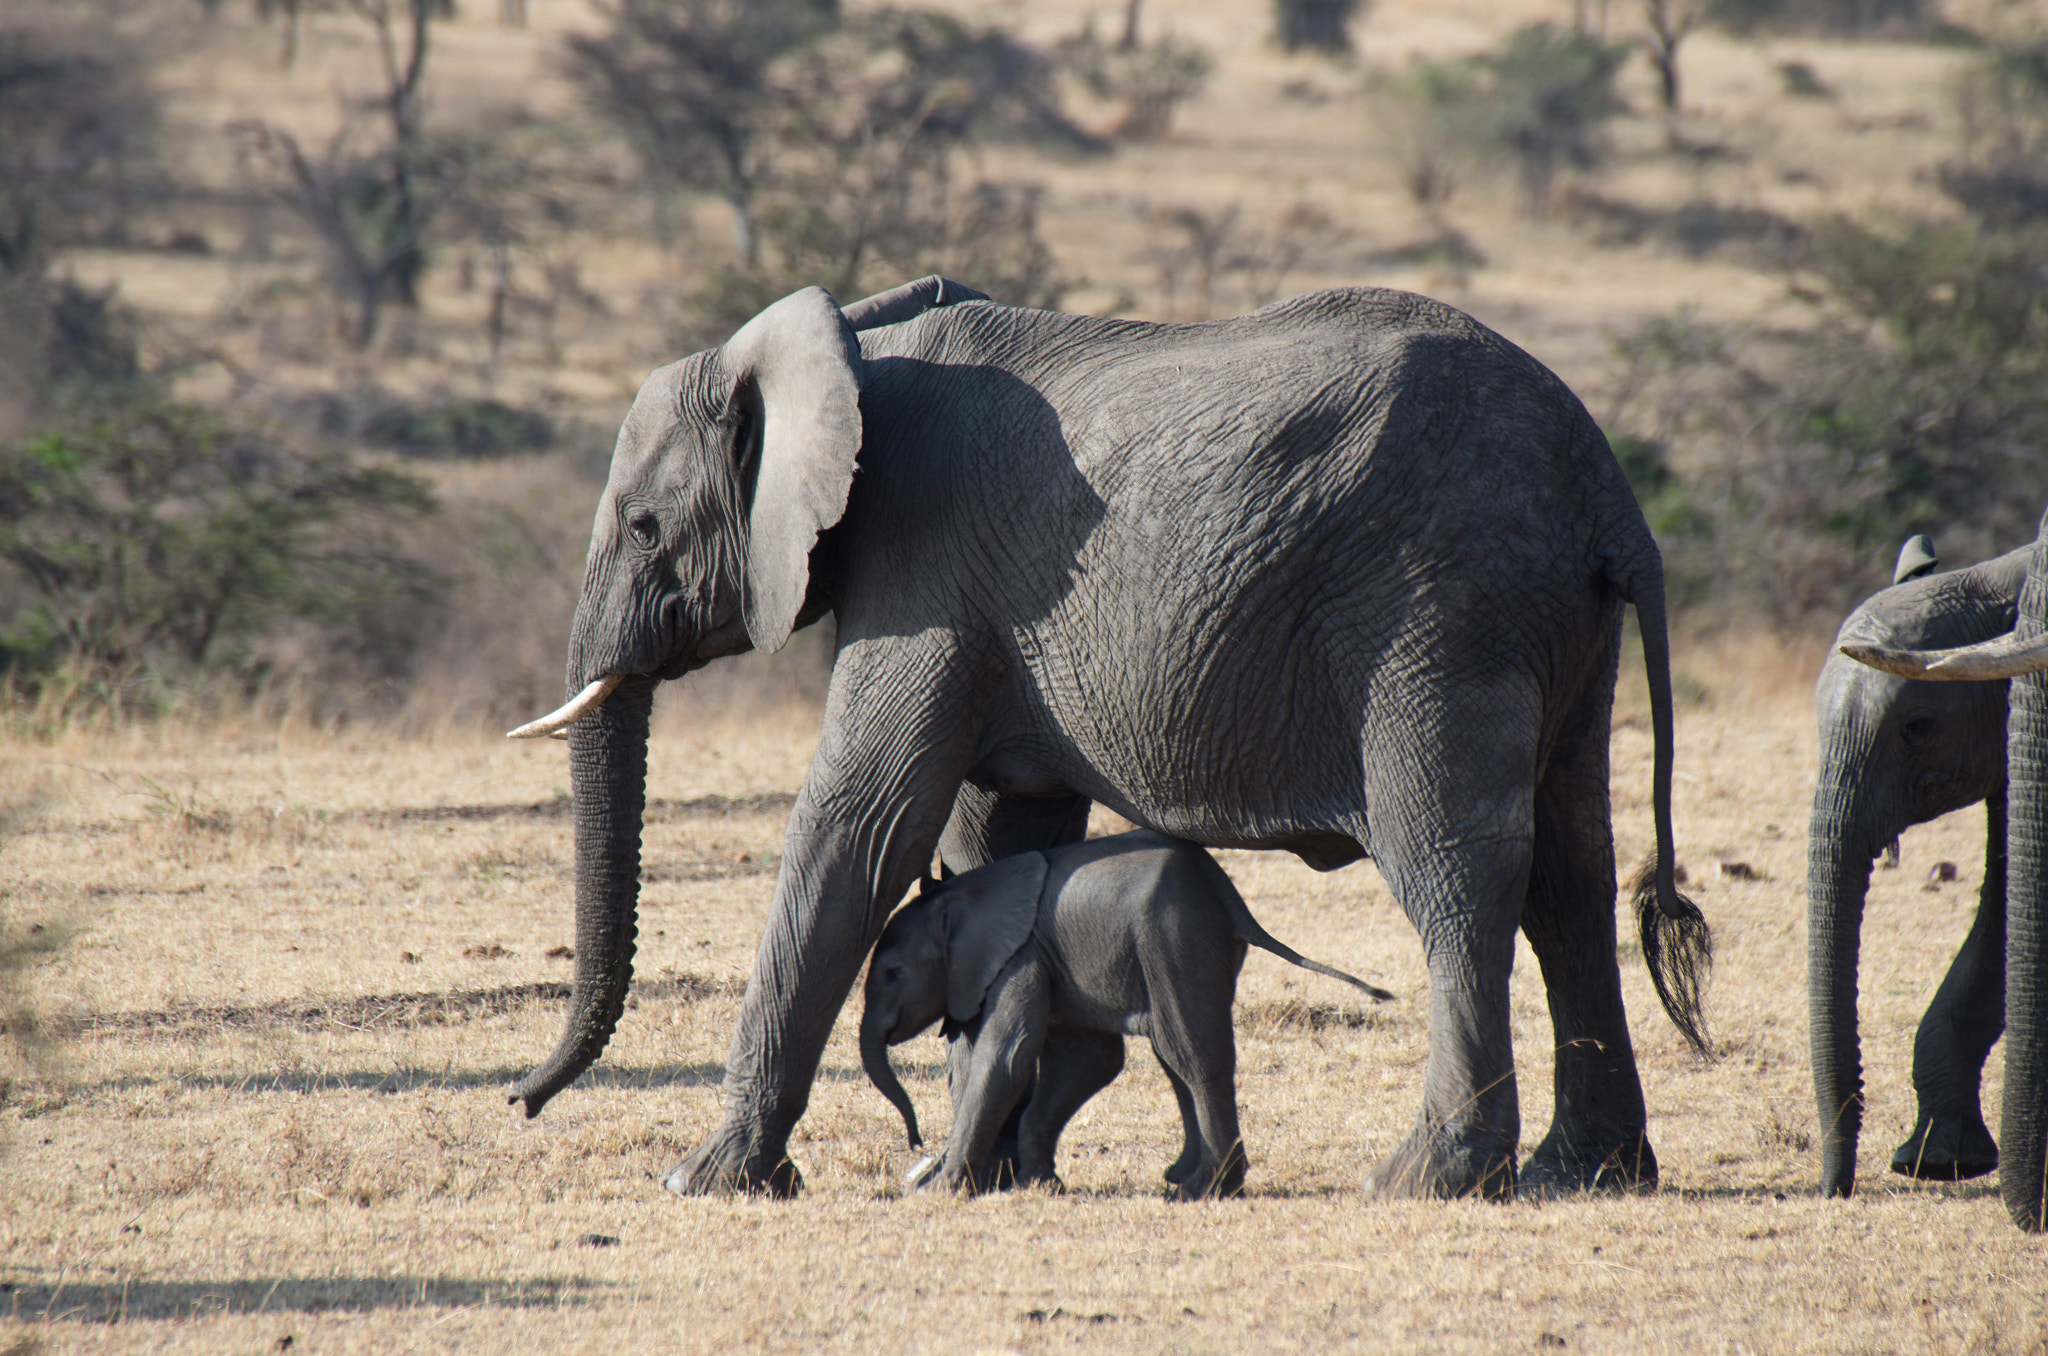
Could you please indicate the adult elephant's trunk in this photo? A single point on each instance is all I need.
(2023, 1129)
(874, 1057)
(1837, 880)
(608, 779)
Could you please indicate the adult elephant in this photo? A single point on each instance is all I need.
(1343, 576)
(1895, 752)
(2022, 657)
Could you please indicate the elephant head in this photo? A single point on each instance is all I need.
(727, 468)
(937, 958)
(1894, 752)
(2021, 656)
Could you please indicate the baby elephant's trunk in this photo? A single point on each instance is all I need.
(874, 1057)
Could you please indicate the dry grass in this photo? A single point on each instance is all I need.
(268, 1122)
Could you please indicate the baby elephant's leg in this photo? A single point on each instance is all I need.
(1073, 1066)
(1191, 1135)
(1192, 1035)
(1006, 1046)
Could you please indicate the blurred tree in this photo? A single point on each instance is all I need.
(692, 84)
(77, 122)
(1548, 96)
(371, 199)
(1150, 80)
(865, 181)
(1318, 25)
(152, 535)
(2000, 174)
(1426, 114)
(1670, 23)
(1845, 18)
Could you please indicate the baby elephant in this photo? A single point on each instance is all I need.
(1044, 962)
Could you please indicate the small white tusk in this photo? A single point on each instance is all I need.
(2006, 656)
(579, 706)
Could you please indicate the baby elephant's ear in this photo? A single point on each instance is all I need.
(990, 913)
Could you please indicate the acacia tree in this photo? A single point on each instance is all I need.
(692, 84)
(77, 115)
(1669, 24)
(371, 204)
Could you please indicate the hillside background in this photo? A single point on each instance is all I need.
(379, 305)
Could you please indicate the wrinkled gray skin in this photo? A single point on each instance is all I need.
(1046, 961)
(2023, 1118)
(1344, 577)
(1895, 752)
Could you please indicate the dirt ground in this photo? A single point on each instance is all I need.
(304, 968)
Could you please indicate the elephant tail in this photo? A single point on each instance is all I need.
(1678, 946)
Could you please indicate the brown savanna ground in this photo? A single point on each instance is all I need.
(268, 1122)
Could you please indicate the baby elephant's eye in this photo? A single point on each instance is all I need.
(645, 527)
(1917, 726)
(892, 973)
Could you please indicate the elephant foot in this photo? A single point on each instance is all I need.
(725, 1165)
(1566, 1165)
(1430, 1165)
(1947, 1149)
(1181, 1169)
(1214, 1181)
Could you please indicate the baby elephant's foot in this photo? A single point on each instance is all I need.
(1431, 1165)
(1947, 1149)
(1210, 1180)
(939, 1175)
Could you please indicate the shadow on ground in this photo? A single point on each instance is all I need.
(382, 1011)
(110, 1302)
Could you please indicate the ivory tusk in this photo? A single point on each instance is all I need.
(578, 706)
(2006, 656)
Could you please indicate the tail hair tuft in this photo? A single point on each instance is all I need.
(1678, 950)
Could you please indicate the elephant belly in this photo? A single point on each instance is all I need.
(1013, 771)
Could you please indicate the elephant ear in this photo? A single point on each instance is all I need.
(1916, 558)
(908, 302)
(802, 362)
(990, 913)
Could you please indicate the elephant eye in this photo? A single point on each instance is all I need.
(891, 974)
(645, 527)
(1917, 727)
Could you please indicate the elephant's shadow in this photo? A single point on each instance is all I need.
(107, 1302)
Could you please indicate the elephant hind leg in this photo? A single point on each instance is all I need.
(1598, 1132)
(1451, 837)
(1194, 1041)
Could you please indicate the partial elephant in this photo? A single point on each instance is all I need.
(2020, 656)
(1895, 752)
(1044, 962)
(1344, 576)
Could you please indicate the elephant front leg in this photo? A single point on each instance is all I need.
(1006, 1046)
(1950, 1141)
(889, 759)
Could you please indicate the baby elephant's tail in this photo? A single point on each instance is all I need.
(1266, 941)
(1248, 928)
